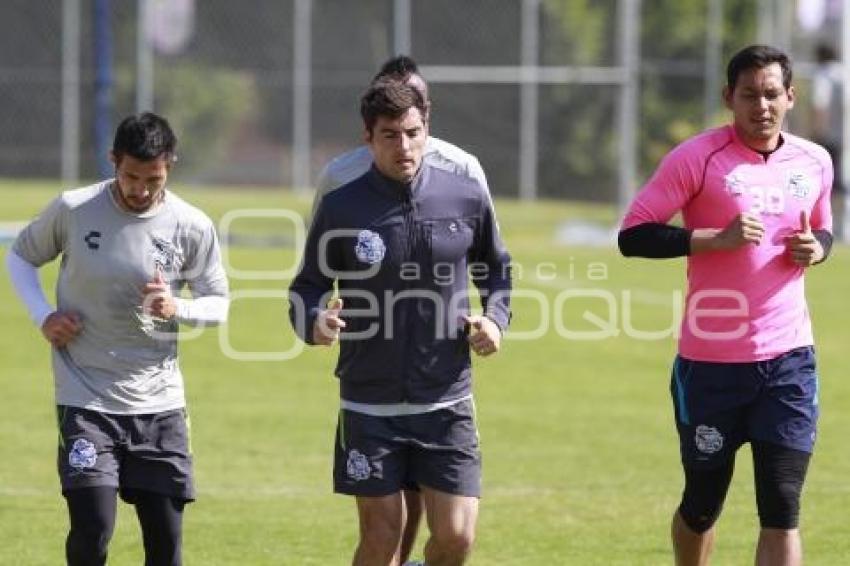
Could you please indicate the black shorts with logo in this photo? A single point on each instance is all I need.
(377, 456)
(720, 406)
(148, 452)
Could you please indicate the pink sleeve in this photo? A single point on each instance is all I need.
(674, 183)
(821, 216)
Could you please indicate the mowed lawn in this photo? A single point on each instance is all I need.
(580, 456)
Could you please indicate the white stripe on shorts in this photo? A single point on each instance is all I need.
(398, 409)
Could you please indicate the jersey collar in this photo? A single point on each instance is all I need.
(398, 189)
(754, 155)
(109, 187)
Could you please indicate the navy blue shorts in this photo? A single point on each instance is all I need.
(138, 452)
(720, 406)
(378, 456)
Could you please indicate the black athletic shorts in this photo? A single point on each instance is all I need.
(142, 452)
(377, 456)
(720, 406)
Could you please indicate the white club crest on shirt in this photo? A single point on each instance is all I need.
(370, 247)
(83, 454)
(734, 184)
(799, 185)
(163, 252)
(358, 467)
(708, 439)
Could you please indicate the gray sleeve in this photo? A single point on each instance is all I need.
(325, 184)
(339, 171)
(475, 171)
(494, 284)
(44, 238)
(203, 270)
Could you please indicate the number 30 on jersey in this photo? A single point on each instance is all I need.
(766, 200)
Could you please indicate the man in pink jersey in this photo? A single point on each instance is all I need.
(755, 206)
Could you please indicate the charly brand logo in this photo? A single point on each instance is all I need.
(92, 239)
(370, 247)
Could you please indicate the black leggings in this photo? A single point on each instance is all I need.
(779, 476)
(92, 515)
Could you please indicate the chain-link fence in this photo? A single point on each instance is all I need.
(227, 75)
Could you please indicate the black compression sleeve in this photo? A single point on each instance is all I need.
(161, 518)
(92, 515)
(825, 239)
(654, 240)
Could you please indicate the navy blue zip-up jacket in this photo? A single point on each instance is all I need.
(402, 255)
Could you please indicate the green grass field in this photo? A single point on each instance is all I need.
(580, 455)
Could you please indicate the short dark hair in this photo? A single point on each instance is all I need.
(757, 57)
(391, 98)
(825, 53)
(145, 137)
(399, 67)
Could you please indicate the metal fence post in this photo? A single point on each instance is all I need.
(301, 108)
(844, 229)
(144, 60)
(70, 93)
(402, 27)
(713, 54)
(629, 11)
(103, 84)
(529, 99)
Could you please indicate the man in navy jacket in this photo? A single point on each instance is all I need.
(401, 243)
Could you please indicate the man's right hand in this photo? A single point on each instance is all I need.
(60, 328)
(744, 229)
(328, 324)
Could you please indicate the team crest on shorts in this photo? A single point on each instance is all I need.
(358, 467)
(708, 439)
(799, 185)
(83, 454)
(370, 247)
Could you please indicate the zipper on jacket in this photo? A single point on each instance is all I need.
(410, 228)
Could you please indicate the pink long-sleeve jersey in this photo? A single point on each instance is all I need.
(746, 304)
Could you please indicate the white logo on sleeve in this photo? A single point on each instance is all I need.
(358, 467)
(708, 439)
(370, 247)
(83, 454)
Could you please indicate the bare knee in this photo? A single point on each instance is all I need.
(454, 542)
(380, 535)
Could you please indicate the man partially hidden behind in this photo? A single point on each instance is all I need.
(128, 245)
(400, 242)
(756, 208)
(438, 153)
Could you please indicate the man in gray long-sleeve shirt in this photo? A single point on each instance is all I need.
(128, 245)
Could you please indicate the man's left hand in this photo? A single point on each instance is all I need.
(803, 248)
(485, 337)
(158, 300)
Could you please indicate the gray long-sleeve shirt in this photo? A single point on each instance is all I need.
(124, 361)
